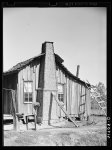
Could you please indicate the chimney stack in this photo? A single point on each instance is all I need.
(49, 113)
(47, 47)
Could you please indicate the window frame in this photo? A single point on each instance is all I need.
(61, 93)
(28, 102)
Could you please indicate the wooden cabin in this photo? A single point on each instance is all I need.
(35, 79)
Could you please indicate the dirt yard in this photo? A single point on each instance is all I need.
(64, 133)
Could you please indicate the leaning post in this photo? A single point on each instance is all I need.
(35, 106)
(15, 119)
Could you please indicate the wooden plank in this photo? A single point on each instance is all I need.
(15, 120)
(83, 95)
(85, 103)
(104, 107)
(37, 75)
(64, 79)
(5, 101)
(77, 97)
(29, 73)
(19, 92)
(7, 117)
(73, 98)
(101, 102)
(65, 95)
(88, 103)
(83, 98)
(62, 76)
(33, 79)
(65, 112)
(82, 104)
(81, 113)
(76, 105)
(22, 107)
(23, 74)
(33, 68)
(70, 95)
(26, 118)
(68, 103)
(80, 108)
(59, 76)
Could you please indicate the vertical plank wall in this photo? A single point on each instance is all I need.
(72, 92)
(29, 73)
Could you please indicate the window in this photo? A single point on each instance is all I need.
(28, 91)
(60, 97)
(60, 93)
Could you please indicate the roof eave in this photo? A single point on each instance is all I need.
(11, 72)
(21, 67)
(73, 76)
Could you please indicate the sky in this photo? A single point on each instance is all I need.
(78, 33)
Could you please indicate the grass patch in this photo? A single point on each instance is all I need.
(92, 140)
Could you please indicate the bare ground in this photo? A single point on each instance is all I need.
(64, 133)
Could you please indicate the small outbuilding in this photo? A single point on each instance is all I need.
(44, 79)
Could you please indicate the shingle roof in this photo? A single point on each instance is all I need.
(20, 65)
(70, 74)
(58, 59)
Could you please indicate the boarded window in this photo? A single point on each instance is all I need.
(28, 91)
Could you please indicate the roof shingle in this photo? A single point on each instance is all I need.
(58, 59)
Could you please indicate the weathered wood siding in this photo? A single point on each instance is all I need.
(28, 73)
(72, 93)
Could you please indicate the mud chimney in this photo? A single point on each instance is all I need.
(47, 46)
(49, 104)
(50, 66)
